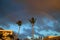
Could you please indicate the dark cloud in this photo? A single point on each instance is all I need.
(14, 10)
(43, 5)
(55, 15)
(57, 27)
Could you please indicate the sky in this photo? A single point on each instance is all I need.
(46, 12)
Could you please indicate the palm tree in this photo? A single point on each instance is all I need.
(32, 21)
(19, 24)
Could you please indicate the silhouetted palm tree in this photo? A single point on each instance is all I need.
(32, 21)
(19, 24)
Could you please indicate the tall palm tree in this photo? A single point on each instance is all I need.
(32, 21)
(19, 24)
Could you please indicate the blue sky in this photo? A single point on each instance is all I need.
(47, 29)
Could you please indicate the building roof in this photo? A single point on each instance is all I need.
(51, 36)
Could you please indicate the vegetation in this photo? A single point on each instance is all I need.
(19, 24)
(32, 21)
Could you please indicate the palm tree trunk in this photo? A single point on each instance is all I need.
(32, 31)
(18, 30)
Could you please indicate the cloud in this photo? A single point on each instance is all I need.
(43, 10)
(43, 5)
(55, 15)
(57, 27)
